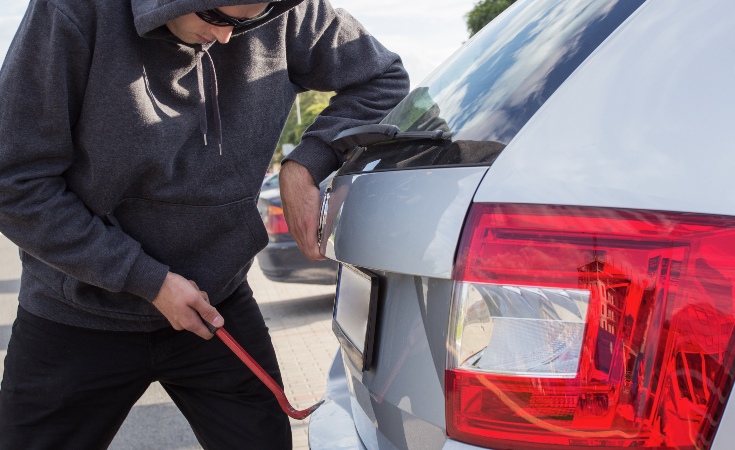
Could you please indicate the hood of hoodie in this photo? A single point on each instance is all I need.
(151, 14)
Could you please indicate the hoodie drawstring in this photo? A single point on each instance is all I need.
(213, 93)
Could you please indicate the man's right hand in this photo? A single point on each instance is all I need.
(300, 199)
(185, 306)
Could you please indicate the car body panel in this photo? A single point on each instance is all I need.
(591, 146)
(400, 392)
(456, 445)
(331, 426)
(726, 431)
(402, 222)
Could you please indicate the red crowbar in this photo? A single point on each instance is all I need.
(262, 374)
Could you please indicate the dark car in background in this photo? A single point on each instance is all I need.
(282, 260)
(270, 182)
(537, 246)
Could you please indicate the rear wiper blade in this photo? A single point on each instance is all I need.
(366, 135)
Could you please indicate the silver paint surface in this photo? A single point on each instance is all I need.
(645, 123)
(401, 221)
(725, 436)
(399, 403)
(331, 426)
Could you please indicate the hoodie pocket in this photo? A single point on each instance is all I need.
(212, 245)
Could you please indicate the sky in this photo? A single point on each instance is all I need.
(11, 11)
(423, 32)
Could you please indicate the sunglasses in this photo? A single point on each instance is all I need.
(220, 19)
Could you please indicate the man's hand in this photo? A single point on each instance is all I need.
(300, 198)
(184, 305)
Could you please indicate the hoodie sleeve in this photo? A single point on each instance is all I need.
(328, 50)
(42, 82)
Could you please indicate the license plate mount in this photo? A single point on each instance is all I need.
(355, 313)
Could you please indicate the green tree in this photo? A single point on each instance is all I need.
(483, 12)
(310, 104)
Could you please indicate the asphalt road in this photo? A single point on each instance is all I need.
(299, 318)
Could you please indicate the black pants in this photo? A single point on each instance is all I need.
(71, 388)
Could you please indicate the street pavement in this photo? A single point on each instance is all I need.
(299, 318)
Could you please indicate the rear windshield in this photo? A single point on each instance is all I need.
(487, 91)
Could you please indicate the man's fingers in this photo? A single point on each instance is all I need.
(305, 236)
(300, 199)
(209, 314)
(186, 307)
(311, 251)
(205, 296)
(206, 317)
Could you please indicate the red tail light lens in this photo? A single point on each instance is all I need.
(585, 327)
(275, 221)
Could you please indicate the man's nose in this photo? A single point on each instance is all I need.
(222, 34)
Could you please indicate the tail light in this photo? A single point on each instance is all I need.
(274, 220)
(586, 327)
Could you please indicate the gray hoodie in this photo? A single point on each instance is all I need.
(125, 153)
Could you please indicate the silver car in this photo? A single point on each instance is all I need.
(537, 246)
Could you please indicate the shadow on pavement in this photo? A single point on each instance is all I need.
(160, 426)
(9, 286)
(163, 427)
(298, 311)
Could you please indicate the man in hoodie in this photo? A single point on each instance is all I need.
(133, 144)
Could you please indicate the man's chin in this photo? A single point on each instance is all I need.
(197, 39)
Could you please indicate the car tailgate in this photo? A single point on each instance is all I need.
(405, 221)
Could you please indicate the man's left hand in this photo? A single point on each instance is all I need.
(300, 198)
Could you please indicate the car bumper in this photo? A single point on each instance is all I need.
(332, 427)
(284, 262)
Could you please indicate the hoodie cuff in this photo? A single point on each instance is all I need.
(318, 158)
(145, 277)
